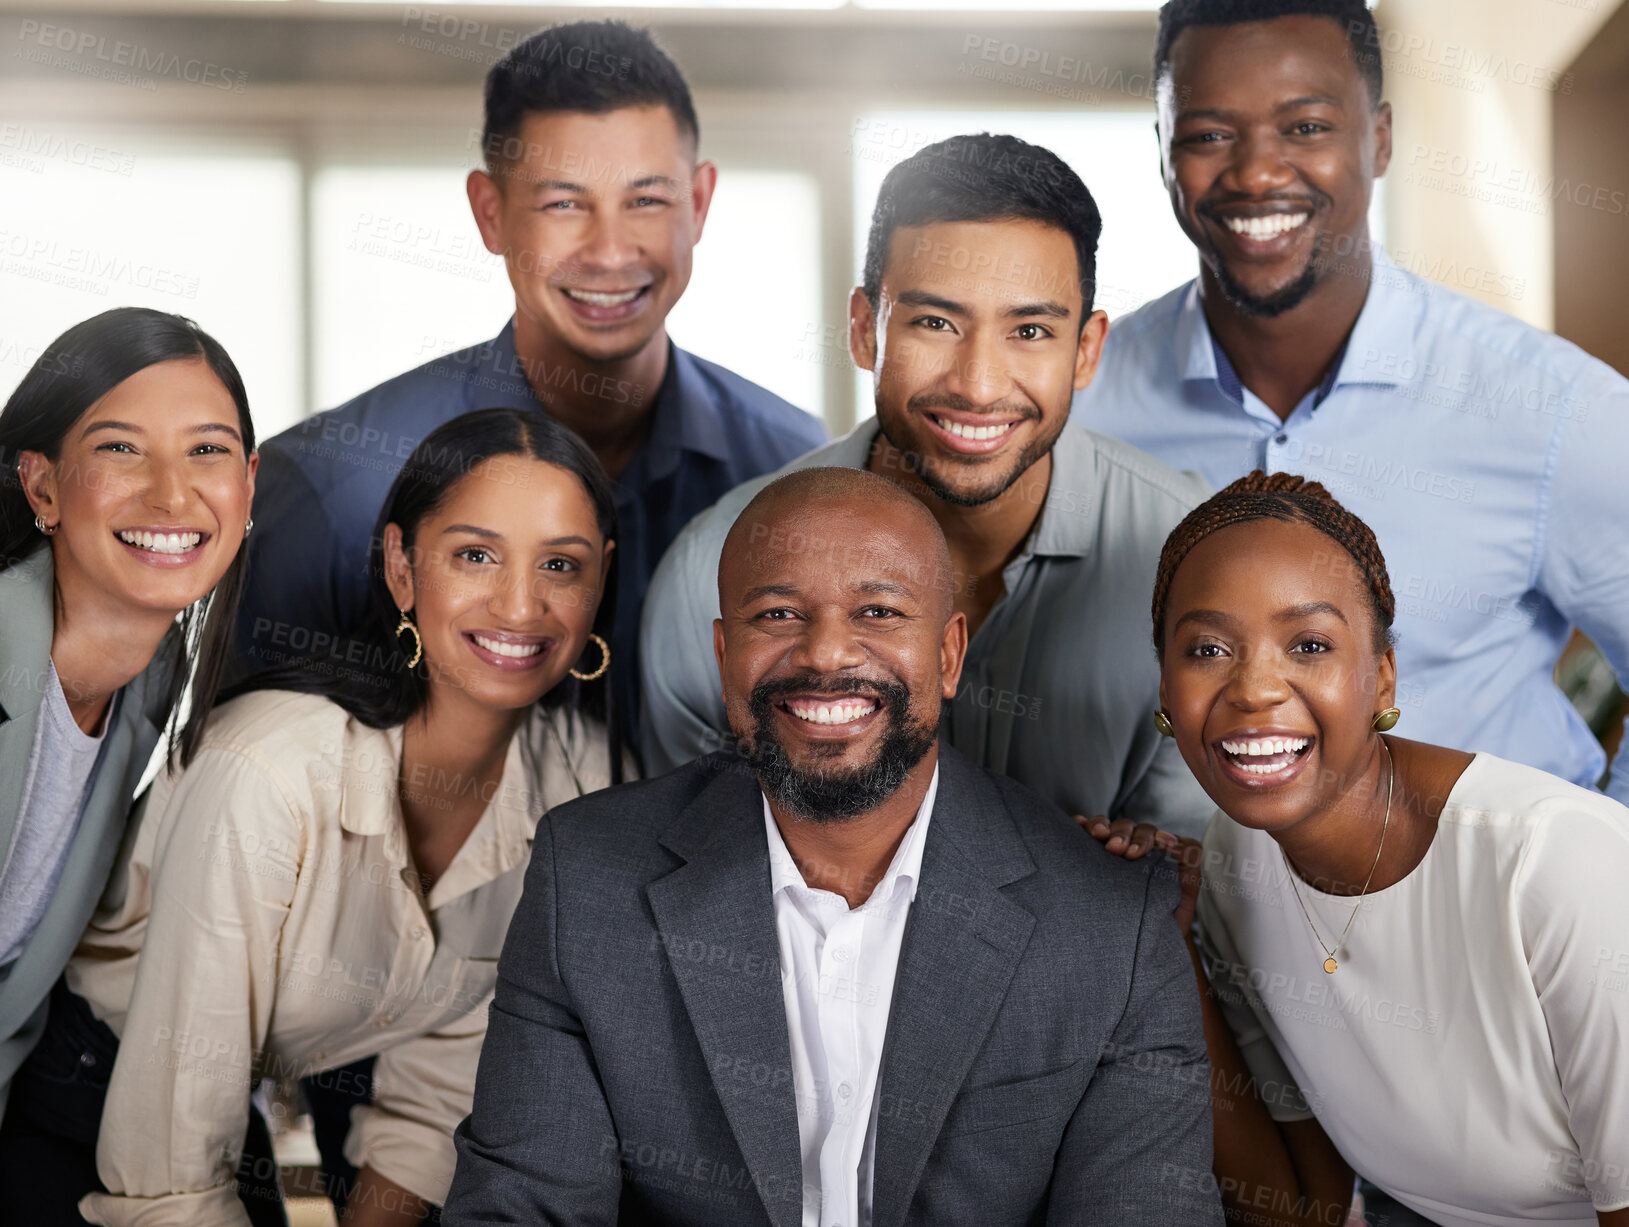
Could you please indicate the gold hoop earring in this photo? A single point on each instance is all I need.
(406, 624)
(1385, 721)
(605, 661)
(1163, 723)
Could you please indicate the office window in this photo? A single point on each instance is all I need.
(400, 275)
(754, 297)
(95, 220)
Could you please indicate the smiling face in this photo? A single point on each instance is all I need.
(1270, 670)
(504, 580)
(1271, 155)
(150, 491)
(596, 220)
(836, 648)
(977, 348)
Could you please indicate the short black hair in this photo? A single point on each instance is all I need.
(1354, 16)
(984, 178)
(593, 67)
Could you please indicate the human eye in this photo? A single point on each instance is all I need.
(1311, 647)
(879, 613)
(1033, 332)
(558, 206)
(561, 565)
(1207, 650)
(933, 323)
(474, 553)
(211, 449)
(118, 447)
(1309, 127)
(648, 202)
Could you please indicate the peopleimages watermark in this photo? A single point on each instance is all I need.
(118, 60)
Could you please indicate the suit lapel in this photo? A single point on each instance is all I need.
(719, 903)
(963, 942)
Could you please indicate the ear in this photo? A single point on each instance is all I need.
(862, 330)
(1385, 691)
(486, 203)
(1089, 350)
(1165, 704)
(952, 652)
(718, 655)
(398, 568)
(702, 184)
(1382, 139)
(39, 481)
(254, 467)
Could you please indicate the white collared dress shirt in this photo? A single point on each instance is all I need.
(837, 980)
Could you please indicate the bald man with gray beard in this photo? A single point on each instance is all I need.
(846, 977)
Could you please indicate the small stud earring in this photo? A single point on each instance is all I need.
(1385, 721)
(47, 529)
(1163, 723)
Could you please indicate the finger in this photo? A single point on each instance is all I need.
(1120, 831)
(1096, 826)
(1142, 840)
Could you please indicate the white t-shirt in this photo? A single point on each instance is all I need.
(1471, 1053)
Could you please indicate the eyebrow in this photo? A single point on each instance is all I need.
(1288, 105)
(485, 533)
(1306, 609)
(870, 587)
(567, 185)
(207, 428)
(921, 298)
(1047, 310)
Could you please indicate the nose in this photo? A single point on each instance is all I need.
(610, 243)
(1259, 167)
(518, 597)
(1256, 683)
(977, 374)
(828, 645)
(166, 489)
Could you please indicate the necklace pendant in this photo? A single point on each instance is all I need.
(1330, 964)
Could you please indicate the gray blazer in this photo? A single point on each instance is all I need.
(1044, 1061)
(25, 653)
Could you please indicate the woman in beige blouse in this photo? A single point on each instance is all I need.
(334, 874)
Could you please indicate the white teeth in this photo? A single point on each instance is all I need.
(1269, 227)
(499, 648)
(974, 432)
(1267, 747)
(162, 543)
(594, 299)
(832, 713)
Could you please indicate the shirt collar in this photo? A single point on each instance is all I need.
(1068, 521)
(1386, 328)
(904, 871)
(370, 770)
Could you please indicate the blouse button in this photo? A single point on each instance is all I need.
(420, 933)
(87, 1059)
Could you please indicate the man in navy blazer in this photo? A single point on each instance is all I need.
(847, 979)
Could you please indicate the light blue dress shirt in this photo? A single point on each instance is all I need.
(1490, 458)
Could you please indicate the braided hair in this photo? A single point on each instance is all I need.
(1279, 496)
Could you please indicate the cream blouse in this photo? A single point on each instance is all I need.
(285, 933)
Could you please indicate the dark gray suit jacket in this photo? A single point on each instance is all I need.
(1044, 1061)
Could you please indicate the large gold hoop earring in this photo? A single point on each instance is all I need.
(605, 661)
(1385, 721)
(406, 624)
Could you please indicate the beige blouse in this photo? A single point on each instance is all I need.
(285, 933)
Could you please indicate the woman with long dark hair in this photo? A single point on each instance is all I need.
(1416, 954)
(127, 468)
(333, 875)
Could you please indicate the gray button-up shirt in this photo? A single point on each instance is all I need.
(1060, 682)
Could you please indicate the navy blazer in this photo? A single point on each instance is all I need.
(1044, 1060)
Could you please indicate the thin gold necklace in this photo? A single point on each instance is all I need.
(1329, 963)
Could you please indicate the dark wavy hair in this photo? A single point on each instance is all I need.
(76, 370)
(375, 686)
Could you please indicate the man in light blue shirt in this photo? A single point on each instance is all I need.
(1490, 458)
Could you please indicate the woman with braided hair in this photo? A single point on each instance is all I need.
(1418, 958)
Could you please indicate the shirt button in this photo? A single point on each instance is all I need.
(1281, 439)
(87, 1059)
(420, 933)
(844, 1090)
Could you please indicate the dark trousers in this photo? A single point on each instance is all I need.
(329, 1098)
(48, 1137)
